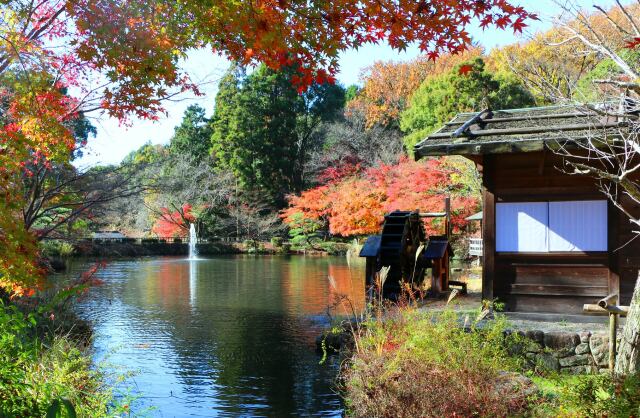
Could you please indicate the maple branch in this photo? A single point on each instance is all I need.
(35, 33)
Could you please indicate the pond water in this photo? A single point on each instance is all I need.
(223, 336)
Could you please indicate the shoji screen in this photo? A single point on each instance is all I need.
(522, 227)
(578, 226)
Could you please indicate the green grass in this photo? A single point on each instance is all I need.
(563, 395)
(39, 367)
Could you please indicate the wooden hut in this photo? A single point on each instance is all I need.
(552, 241)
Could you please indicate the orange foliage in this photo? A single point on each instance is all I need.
(388, 86)
(356, 205)
(312, 34)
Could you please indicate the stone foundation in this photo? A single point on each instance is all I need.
(568, 352)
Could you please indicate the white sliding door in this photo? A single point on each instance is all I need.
(578, 226)
(522, 227)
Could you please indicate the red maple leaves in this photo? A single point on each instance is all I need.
(174, 224)
(356, 204)
(632, 43)
(465, 69)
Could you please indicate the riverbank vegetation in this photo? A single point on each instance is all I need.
(43, 362)
(413, 364)
(410, 362)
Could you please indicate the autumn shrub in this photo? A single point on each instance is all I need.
(37, 368)
(277, 242)
(418, 364)
(356, 205)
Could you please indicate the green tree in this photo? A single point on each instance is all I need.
(192, 137)
(263, 128)
(351, 92)
(467, 87)
(146, 154)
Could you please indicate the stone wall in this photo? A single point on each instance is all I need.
(569, 352)
(149, 248)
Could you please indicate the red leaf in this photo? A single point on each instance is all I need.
(633, 43)
(465, 69)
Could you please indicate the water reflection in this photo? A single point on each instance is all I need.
(226, 336)
(192, 282)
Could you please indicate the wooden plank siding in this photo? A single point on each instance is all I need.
(628, 253)
(551, 282)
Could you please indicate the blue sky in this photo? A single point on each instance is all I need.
(113, 142)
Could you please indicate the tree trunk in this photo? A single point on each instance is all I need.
(628, 358)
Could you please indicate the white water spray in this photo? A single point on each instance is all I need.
(193, 239)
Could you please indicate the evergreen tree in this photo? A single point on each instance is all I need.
(192, 136)
(263, 129)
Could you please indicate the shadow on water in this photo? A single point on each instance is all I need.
(224, 336)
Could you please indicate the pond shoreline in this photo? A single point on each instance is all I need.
(226, 327)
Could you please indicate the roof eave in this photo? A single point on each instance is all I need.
(478, 148)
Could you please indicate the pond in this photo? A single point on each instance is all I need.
(223, 336)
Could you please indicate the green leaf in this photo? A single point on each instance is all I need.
(61, 408)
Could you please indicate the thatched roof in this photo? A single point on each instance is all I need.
(514, 130)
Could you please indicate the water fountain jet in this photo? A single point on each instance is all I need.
(193, 239)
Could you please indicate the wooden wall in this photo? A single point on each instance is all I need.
(628, 256)
(555, 282)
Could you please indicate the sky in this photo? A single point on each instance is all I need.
(113, 141)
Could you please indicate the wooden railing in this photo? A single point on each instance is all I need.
(144, 240)
(608, 306)
(475, 247)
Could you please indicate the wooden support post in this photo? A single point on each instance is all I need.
(488, 229)
(613, 262)
(613, 325)
(606, 305)
(444, 281)
(447, 211)
(370, 271)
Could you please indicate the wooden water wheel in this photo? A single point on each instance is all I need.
(401, 236)
(399, 247)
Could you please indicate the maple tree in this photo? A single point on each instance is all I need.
(174, 224)
(356, 204)
(312, 34)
